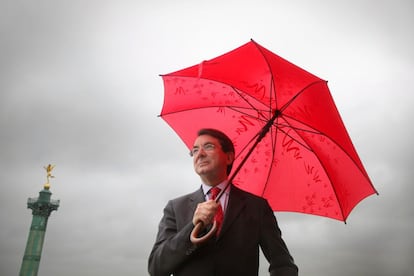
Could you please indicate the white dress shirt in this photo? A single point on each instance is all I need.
(223, 199)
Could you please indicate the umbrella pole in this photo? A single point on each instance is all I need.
(200, 225)
(259, 138)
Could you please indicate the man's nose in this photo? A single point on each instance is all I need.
(201, 152)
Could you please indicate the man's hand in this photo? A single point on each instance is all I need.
(205, 212)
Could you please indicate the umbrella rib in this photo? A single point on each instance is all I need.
(333, 141)
(294, 139)
(322, 165)
(272, 81)
(300, 92)
(234, 108)
(278, 125)
(249, 103)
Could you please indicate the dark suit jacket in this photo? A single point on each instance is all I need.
(249, 223)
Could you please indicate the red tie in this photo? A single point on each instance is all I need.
(218, 217)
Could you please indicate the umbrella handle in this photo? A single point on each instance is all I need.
(200, 226)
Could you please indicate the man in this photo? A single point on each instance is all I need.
(248, 223)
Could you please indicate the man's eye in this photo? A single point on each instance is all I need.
(208, 146)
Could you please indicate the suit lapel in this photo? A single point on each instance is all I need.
(194, 199)
(235, 205)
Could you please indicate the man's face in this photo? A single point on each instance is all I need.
(210, 162)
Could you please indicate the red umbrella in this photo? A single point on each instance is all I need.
(288, 135)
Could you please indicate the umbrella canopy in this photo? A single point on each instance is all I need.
(302, 158)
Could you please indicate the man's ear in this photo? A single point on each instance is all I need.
(230, 158)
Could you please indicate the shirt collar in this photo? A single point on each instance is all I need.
(207, 188)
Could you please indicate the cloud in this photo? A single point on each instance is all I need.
(80, 88)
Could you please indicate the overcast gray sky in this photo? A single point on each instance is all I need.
(80, 88)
